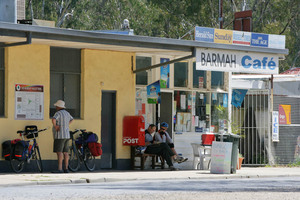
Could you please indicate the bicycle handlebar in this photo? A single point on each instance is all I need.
(76, 130)
(31, 132)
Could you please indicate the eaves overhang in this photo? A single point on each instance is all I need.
(10, 33)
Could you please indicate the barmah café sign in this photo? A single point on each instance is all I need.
(236, 61)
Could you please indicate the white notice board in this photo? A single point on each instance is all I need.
(221, 157)
(29, 102)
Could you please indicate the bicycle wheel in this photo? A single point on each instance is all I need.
(89, 160)
(16, 165)
(74, 162)
(38, 159)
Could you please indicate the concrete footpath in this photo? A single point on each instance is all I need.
(110, 176)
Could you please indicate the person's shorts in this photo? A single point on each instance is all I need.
(61, 145)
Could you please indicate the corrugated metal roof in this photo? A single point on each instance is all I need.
(140, 44)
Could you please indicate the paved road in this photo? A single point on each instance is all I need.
(261, 188)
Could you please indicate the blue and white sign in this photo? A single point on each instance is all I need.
(236, 61)
(241, 38)
(204, 34)
(277, 41)
(259, 40)
(275, 126)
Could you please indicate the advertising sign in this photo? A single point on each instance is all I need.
(164, 74)
(221, 157)
(223, 36)
(241, 38)
(275, 126)
(236, 61)
(277, 41)
(29, 102)
(153, 93)
(284, 114)
(204, 34)
(259, 40)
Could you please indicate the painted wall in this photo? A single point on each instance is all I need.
(101, 70)
(107, 70)
(28, 64)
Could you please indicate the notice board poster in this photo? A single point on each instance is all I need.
(29, 102)
(221, 157)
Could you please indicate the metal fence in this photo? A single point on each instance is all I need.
(252, 121)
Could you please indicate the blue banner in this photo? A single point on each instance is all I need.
(153, 93)
(225, 100)
(204, 34)
(164, 74)
(259, 40)
(238, 96)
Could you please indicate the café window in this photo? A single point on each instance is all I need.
(142, 62)
(183, 110)
(2, 81)
(199, 78)
(202, 112)
(65, 79)
(219, 110)
(217, 80)
(181, 74)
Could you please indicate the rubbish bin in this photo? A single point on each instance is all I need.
(235, 151)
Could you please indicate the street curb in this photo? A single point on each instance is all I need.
(103, 180)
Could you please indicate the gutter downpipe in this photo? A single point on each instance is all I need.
(271, 162)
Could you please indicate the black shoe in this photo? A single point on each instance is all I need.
(172, 168)
(57, 171)
(66, 171)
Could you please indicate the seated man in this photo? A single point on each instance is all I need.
(161, 149)
(162, 136)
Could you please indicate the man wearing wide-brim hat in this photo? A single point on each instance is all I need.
(61, 121)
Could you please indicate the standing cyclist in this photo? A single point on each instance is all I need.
(61, 121)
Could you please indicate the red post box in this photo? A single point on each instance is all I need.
(134, 131)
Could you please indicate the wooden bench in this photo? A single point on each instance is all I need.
(143, 157)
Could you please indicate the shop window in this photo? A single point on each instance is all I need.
(2, 81)
(183, 116)
(181, 74)
(142, 77)
(199, 78)
(219, 110)
(202, 113)
(217, 80)
(65, 78)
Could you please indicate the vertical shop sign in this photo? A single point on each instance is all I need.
(153, 93)
(284, 114)
(225, 100)
(164, 74)
(29, 102)
(275, 126)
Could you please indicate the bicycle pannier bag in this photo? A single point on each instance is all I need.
(91, 137)
(29, 129)
(6, 149)
(95, 148)
(20, 149)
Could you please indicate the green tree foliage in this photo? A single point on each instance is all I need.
(173, 18)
